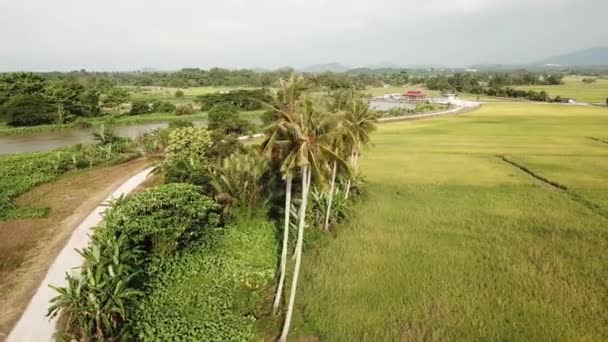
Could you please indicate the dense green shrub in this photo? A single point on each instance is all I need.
(139, 107)
(209, 292)
(318, 207)
(188, 143)
(180, 123)
(184, 109)
(28, 110)
(225, 118)
(179, 94)
(96, 299)
(239, 179)
(242, 99)
(186, 157)
(163, 107)
(164, 218)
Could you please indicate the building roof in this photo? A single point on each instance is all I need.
(414, 93)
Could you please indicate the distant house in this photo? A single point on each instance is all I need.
(449, 96)
(414, 95)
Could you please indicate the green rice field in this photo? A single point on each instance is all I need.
(492, 225)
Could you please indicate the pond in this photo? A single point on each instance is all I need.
(44, 141)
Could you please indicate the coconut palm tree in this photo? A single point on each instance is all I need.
(361, 122)
(310, 134)
(280, 145)
(342, 140)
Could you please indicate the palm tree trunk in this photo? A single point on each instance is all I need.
(307, 188)
(352, 162)
(331, 195)
(277, 297)
(299, 243)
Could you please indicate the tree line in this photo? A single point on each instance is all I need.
(28, 99)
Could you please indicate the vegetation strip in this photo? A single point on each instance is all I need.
(533, 174)
(599, 140)
(572, 195)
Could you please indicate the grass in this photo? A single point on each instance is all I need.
(574, 87)
(168, 93)
(453, 243)
(29, 245)
(377, 91)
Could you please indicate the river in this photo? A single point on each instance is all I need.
(44, 141)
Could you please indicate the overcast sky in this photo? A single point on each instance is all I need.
(133, 34)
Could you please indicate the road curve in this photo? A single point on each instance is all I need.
(34, 326)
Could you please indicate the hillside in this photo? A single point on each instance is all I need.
(588, 57)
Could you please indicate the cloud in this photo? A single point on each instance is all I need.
(114, 34)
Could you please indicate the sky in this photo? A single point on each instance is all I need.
(44, 35)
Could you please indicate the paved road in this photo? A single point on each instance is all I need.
(34, 326)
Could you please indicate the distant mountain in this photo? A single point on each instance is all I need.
(333, 67)
(588, 57)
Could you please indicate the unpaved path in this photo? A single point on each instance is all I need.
(34, 326)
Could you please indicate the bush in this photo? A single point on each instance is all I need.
(139, 107)
(163, 107)
(225, 118)
(242, 99)
(28, 110)
(186, 157)
(163, 219)
(180, 123)
(318, 207)
(185, 109)
(239, 179)
(188, 143)
(99, 299)
(97, 296)
(179, 94)
(210, 292)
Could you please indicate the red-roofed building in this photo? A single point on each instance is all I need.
(414, 95)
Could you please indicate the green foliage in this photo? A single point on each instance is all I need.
(589, 80)
(153, 142)
(223, 145)
(97, 296)
(239, 178)
(318, 208)
(242, 99)
(21, 172)
(114, 97)
(139, 107)
(210, 292)
(225, 118)
(180, 123)
(179, 94)
(185, 109)
(104, 134)
(28, 110)
(163, 219)
(188, 143)
(163, 107)
(186, 157)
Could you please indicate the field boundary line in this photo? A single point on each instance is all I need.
(599, 140)
(564, 189)
(533, 174)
